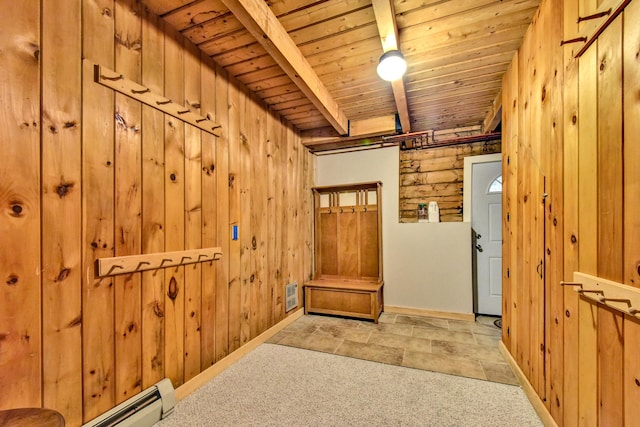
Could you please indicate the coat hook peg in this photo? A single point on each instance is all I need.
(594, 16)
(634, 311)
(168, 101)
(183, 258)
(113, 267)
(604, 299)
(563, 283)
(201, 120)
(201, 256)
(120, 77)
(576, 40)
(141, 263)
(183, 111)
(140, 92)
(217, 256)
(592, 291)
(165, 260)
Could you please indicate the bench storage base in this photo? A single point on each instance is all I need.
(351, 298)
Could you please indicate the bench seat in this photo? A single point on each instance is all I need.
(344, 297)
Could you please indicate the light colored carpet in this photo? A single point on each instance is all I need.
(277, 385)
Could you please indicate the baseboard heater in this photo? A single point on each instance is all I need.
(142, 410)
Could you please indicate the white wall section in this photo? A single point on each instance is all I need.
(427, 266)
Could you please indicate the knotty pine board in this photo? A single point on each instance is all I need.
(509, 159)
(20, 261)
(290, 210)
(631, 390)
(274, 225)
(153, 238)
(554, 222)
(587, 363)
(128, 203)
(222, 192)
(258, 223)
(193, 217)
(588, 205)
(98, 340)
(286, 275)
(631, 120)
(568, 411)
(254, 207)
(245, 218)
(610, 365)
(609, 146)
(281, 203)
(174, 130)
(209, 188)
(587, 162)
(61, 202)
(236, 116)
(610, 222)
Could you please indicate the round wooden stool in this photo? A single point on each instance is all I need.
(31, 417)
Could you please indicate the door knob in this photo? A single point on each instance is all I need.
(479, 248)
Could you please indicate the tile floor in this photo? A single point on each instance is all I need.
(457, 347)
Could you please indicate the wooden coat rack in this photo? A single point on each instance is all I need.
(611, 294)
(135, 263)
(119, 83)
(347, 279)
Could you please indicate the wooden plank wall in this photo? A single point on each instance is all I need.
(436, 175)
(91, 173)
(573, 121)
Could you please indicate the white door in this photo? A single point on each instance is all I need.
(486, 221)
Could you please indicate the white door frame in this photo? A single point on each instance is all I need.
(466, 184)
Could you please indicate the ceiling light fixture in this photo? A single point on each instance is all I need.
(392, 65)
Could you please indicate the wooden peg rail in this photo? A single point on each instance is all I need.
(614, 295)
(119, 83)
(611, 17)
(135, 263)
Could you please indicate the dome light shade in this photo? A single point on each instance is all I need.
(392, 65)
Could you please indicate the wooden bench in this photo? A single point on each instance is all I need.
(347, 277)
(352, 298)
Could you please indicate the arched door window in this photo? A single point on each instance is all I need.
(496, 185)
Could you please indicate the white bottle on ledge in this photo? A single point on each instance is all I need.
(434, 212)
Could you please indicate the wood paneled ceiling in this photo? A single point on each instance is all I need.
(314, 61)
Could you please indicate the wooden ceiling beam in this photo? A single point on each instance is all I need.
(385, 125)
(388, 29)
(260, 21)
(494, 116)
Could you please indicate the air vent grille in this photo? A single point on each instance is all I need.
(291, 301)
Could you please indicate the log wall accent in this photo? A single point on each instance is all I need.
(571, 124)
(91, 173)
(436, 175)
